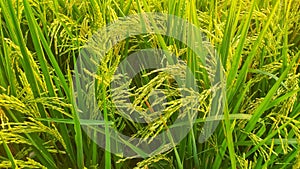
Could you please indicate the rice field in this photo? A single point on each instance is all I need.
(218, 87)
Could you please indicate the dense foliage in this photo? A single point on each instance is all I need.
(258, 45)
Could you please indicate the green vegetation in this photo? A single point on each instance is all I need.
(258, 45)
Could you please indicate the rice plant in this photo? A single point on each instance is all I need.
(258, 47)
